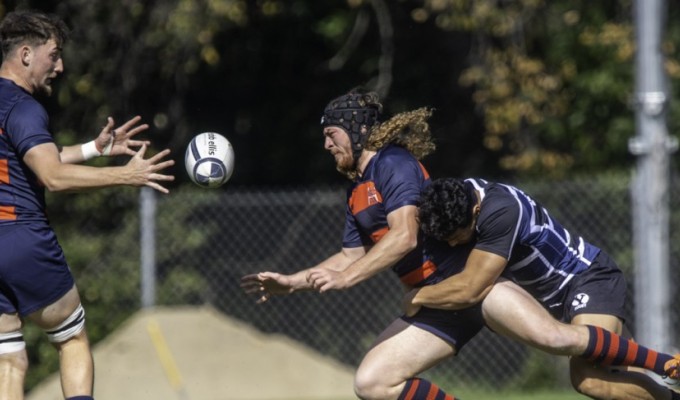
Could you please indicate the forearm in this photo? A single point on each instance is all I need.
(78, 153)
(383, 255)
(448, 296)
(71, 177)
(337, 262)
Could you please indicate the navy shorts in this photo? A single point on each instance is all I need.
(601, 289)
(454, 326)
(33, 269)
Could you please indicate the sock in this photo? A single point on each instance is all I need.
(420, 389)
(608, 348)
(80, 398)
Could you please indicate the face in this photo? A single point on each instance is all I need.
(465, 234)
(338, 144)
(44, 63)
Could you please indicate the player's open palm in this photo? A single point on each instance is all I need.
(266, 284)
(145, 171)
(119, 141)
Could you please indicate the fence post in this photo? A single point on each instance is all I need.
(650, 189)
(147, 225)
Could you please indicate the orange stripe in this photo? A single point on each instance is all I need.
(613, 349)
(631, 354)
(4, 172)
(364, 196)
(651, 360)
(412, 390)
(422, 168)
(8, 213)
(377, 235)
(418, 275)
(449, 397)
(599, 343)
(432, 393)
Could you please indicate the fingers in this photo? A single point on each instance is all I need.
(253, 284)
(157, 187)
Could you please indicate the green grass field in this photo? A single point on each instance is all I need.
(559, 394)
(542, 395)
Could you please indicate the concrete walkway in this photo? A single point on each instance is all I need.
(199, 354)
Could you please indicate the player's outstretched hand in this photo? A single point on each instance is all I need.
(118, 141)
(322, 280)
(144, 171)
(265, 284)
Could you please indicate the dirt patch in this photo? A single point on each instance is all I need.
(200, 354)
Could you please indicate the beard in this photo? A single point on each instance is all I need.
(45, 90)
(345, 165)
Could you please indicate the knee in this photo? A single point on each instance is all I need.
(591, 387)
(365, 385)
(371, 385)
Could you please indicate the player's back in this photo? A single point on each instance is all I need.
(543, 256)
(23, 123)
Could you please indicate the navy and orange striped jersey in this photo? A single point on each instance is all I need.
(23, 124)
(393, 179)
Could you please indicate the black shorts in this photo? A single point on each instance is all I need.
(601, 289)
(454, 326)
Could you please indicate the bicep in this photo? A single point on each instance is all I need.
(43, 159)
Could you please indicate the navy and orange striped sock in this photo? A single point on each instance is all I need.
(420, 389)
(608, 348)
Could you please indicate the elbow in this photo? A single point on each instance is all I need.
(53, 185)
(409, 242)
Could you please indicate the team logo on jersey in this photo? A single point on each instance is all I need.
(373, 197)
(580, 301)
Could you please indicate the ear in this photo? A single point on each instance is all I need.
(476, 209)
(26, 54)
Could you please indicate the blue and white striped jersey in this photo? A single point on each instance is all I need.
(542, 255)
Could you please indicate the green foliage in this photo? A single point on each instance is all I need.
(554, 79)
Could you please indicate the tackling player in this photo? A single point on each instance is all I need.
(515, 238)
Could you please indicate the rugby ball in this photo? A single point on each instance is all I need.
(209, 160)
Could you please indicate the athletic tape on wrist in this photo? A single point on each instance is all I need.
(89, 150)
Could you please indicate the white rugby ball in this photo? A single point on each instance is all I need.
(209, 160)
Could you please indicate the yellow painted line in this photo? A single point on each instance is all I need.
(164, 354)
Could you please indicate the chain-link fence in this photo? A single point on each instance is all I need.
(206, 240)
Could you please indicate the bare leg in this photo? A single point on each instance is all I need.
(510, 311)
(76, 366)
(13, 365)
(75, 357)
(401, 352)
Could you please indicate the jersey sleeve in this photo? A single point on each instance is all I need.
(352, 236)
(27, 126)
(400, 180)
(498, 224)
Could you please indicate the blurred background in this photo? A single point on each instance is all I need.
(530, 92)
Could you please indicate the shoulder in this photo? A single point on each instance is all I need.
(394, 158)
(499, 203)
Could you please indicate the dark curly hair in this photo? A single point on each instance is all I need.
(445, 206)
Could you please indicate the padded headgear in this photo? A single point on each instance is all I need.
(351, 112)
